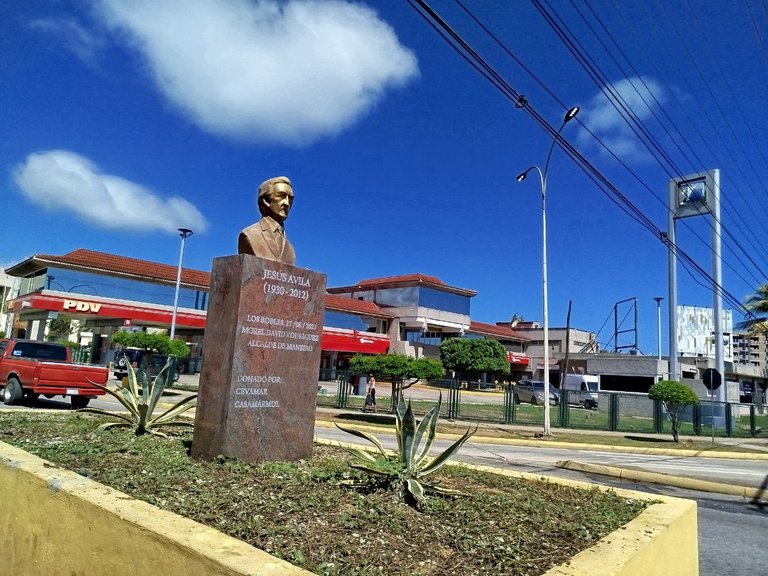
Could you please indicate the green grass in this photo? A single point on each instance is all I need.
(301, 512)
(578, 418)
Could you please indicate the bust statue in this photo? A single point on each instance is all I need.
(266, 238)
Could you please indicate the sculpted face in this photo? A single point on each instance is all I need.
(278, 202)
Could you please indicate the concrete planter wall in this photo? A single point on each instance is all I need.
(55, 522)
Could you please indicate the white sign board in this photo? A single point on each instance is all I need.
(696, 332)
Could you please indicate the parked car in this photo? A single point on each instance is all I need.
(533, 391)
(137, 357)
(30, 368)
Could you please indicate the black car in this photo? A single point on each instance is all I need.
(139, 359)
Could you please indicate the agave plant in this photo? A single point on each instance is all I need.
(140, 396)
(406, 469)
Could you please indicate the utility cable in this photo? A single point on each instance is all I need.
(459, 45)
(620, 104)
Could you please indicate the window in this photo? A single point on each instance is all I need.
(426, 337)
(40, 350)
(90, 284)
(334, 319)
(446, 301)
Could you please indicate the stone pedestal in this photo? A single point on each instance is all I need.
(258, 386)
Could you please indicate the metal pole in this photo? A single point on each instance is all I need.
(569, 115)
(544, 298)
(658, 326)
(718, 284)
(184, 233)
(672, 262)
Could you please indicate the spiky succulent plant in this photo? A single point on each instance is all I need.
(140, 395)
(406, 469)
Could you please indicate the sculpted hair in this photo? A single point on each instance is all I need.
(265, 190)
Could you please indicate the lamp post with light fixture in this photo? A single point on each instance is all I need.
(569, 115)
(184, 233)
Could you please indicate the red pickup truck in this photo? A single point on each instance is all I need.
(31, 368)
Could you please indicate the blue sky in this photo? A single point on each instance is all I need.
(124, 120)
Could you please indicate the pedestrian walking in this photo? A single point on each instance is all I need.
(370, 397)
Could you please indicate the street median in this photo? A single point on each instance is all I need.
(56, 522)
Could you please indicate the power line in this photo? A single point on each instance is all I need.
(469, 54)
(625, 111)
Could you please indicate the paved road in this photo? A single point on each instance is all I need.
(538, 459)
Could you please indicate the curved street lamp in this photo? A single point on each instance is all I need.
(570, 115)
(184, 233)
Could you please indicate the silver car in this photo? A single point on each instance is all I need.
(532, 391)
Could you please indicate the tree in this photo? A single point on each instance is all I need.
(60, 328)
(159, 343)
(757, 303)
(675, 396)
(474, 356)
(397, 367)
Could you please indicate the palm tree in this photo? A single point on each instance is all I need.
(757, 304)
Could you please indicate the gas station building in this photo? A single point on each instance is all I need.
(106, 293)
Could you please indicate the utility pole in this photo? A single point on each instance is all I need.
(567, 344)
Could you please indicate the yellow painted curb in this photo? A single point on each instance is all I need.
(56, 522)
(666, 479)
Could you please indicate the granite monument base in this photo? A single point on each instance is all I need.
(258, 385)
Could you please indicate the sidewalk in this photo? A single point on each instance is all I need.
(190, 382)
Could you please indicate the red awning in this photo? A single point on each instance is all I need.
(513, 358)
(354, 341)
(333, 339)
(83, 307)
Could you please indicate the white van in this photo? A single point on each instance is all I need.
(582, 389)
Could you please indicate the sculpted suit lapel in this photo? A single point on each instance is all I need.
(274, 241)
(260, 240)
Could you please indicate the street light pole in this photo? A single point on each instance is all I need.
(658, 334)
(570, 115)
(658, 324)
(184, 233)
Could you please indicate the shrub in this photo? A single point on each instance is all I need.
(675, 396)
(140, 397)
(405, 471)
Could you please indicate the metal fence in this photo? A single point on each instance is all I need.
(615, 411)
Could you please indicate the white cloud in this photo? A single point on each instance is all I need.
(262, 70)
(63, 180)
(641, 95)
(85, 44)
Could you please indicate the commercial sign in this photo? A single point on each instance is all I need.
(696, 332)
(136, 312)
(342, 340)
(513, 358)
(81, 306)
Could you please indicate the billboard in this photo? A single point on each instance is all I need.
(696, 332)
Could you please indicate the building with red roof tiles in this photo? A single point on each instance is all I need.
(106, 293)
